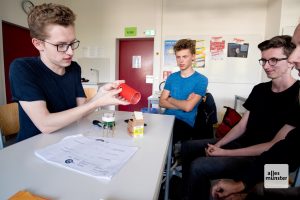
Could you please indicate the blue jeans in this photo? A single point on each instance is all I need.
(198, 170)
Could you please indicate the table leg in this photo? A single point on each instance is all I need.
(2, 139)
(168, 170)
(149, 105)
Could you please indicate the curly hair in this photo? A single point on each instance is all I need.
(48, 14)
(281, 41)
(185, 44)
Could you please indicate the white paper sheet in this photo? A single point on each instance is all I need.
(96, 157)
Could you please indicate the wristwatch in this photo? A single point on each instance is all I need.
(27, 5)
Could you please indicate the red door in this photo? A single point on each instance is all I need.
(133, 73)
(16, 43)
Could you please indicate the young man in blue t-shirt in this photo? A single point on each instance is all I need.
(48, 88)
(183, 91)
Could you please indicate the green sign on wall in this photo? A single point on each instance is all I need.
(130, 31)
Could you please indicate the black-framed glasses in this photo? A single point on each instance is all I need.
(64, 47)
(271, 61)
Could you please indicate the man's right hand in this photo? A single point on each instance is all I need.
(225, 188)
(110, 97)
(191, 96)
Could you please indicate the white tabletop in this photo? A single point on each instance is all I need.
(139, 179)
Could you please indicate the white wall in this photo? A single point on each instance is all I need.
(100, 23)
(290, 15)
(168, 17)
(220, 18)
(282, 18)
(272, 24)
(273, 18)
(290, 18)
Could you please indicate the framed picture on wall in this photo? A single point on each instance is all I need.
(237, 50)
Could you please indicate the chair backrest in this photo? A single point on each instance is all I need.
(230, 119)
(206, 117)
(90, 92)
(9, 119)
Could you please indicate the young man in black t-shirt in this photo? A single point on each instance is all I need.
(283, 152)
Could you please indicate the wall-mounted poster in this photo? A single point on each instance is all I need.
(169, 55)
(238, 48)
(217, 46)
(200, 54)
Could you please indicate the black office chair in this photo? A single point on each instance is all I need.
(161, 85)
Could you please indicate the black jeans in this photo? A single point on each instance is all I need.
(198, 170)
(182, 131)
(261, 193)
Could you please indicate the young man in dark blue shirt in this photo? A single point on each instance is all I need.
(48, 88)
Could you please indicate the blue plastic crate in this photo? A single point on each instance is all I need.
(151, 110)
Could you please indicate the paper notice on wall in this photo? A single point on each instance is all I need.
(200, 54)
(217, 46)
(238, 48)
(136, 61)
(169, 54)
(149, 78)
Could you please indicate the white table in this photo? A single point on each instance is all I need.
(139, 179)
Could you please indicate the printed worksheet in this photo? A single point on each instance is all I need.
(95, 157)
